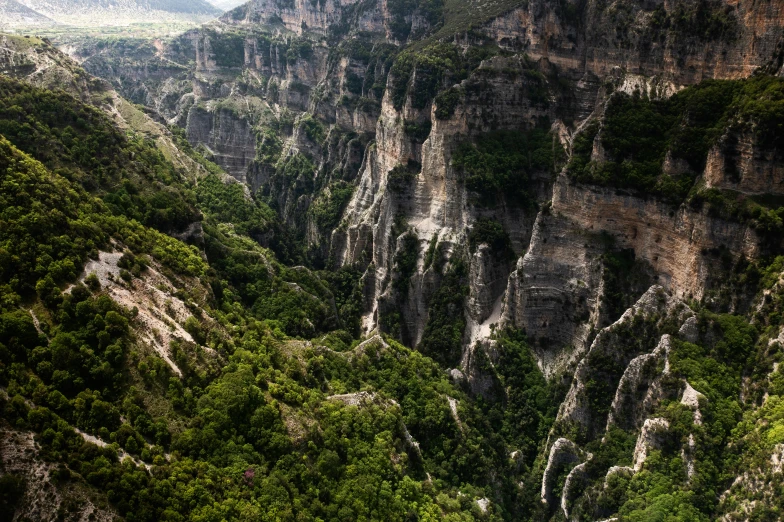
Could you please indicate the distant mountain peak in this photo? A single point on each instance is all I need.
(14, 13)
(227, 5)
(91, 13)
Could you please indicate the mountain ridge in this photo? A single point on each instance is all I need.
(96, 13)
(14, 13)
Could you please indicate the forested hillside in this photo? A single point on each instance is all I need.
(276, 410)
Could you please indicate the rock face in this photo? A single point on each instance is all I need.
(555, 291)
(321, 77)
(297, 98)
(634, 36)
(562, 453)
(228, 138)
(438, 206)
(651, 437)
(297, 16)
(742, 164)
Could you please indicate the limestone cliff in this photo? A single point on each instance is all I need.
(359, 78)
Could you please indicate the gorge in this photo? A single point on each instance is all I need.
(398, 260)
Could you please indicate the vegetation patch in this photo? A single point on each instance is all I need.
(437, 66)
(401, 12)
(530, 407)
(418, 132)
(443, 335)
(764, 214)
(498, 165)
(328, 207)
(637, 133)
(228, 49)
(400, 178)
(228, 202)
(430, 253)
(314, 129)
(489, 232)
(625, 278)
(79, 143)
(446, 102)
(406, 262)
(298, 48)
(714, 20)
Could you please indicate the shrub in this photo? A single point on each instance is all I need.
(406, 262)
(490, 232)
(328, 207)
(228, 49)
(418, 132)
(399, 179)
(446, 102)
(498, 165)
(442, 338)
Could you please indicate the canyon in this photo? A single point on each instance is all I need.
(596, 176)
(265, 64)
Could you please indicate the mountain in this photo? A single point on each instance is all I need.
(226, 5)
(451, 260)
(92, 13)
(171, 6)
(15, 14)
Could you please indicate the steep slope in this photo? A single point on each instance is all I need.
(83, 373)
(127, 355)
(686, 197)
(345, 72)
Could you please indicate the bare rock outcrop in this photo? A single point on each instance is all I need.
(45, 497)
(227, 135)
(555, 291)
(639, 45)
(562, 454)
(160, 315)
(743, 164)
(651, 437)
(551, 294)
(640, 390)
(691, 398)
(576, 478)
(608, 361)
